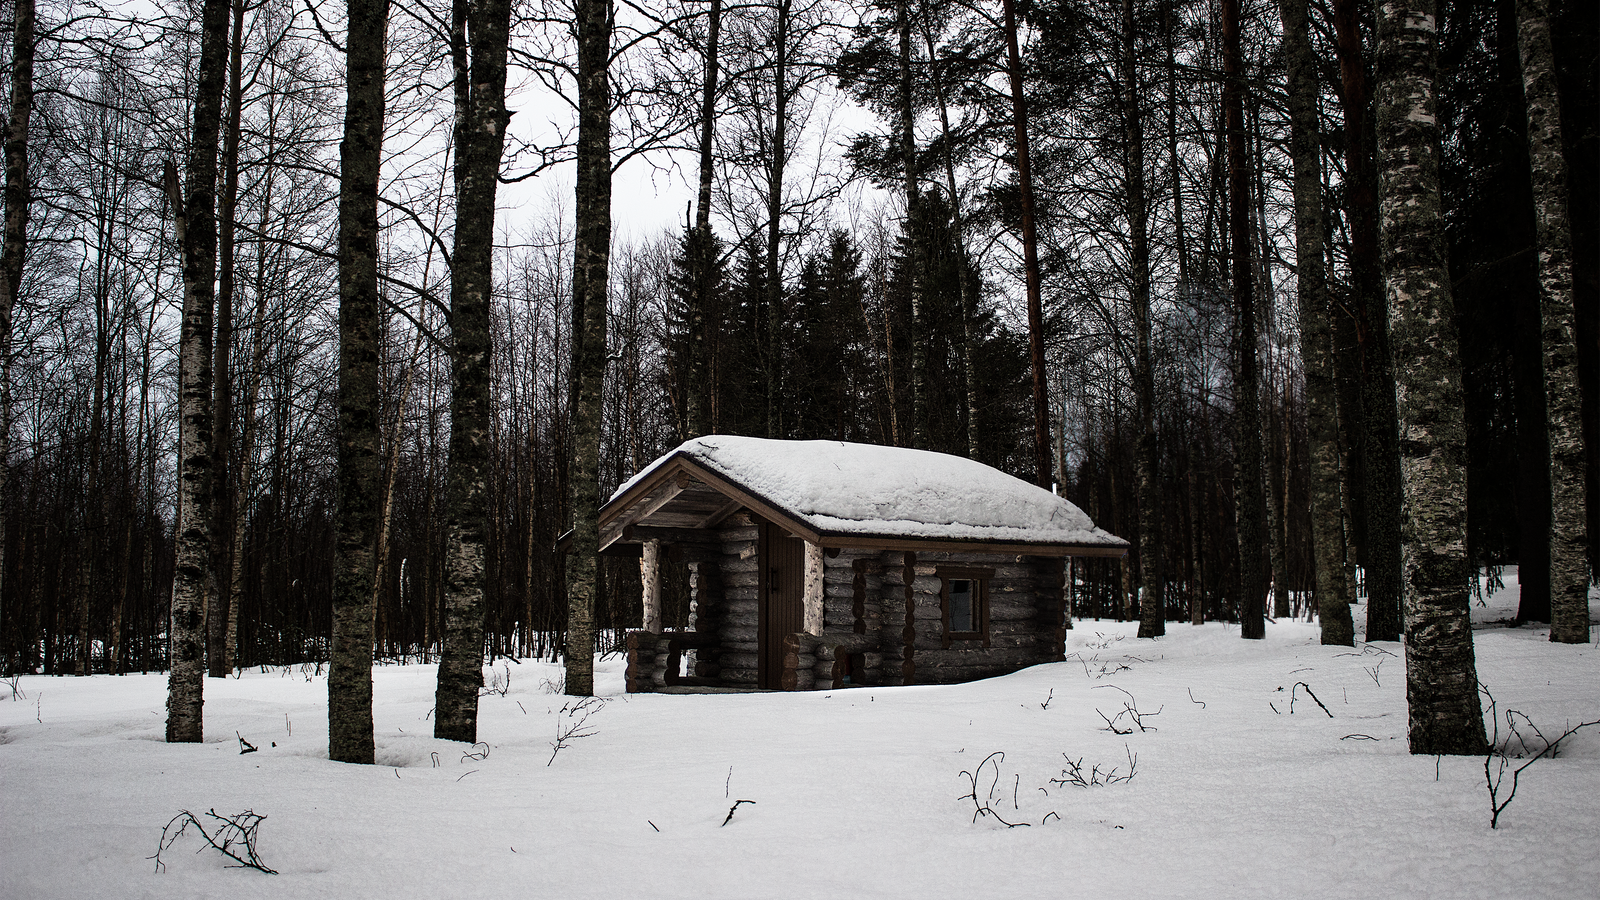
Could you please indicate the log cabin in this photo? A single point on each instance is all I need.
(824, 564)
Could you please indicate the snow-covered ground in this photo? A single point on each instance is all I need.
(1244, 787)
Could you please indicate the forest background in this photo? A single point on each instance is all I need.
(863, 282)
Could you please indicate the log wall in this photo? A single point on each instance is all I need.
(741, 612)
(882, 617)
(706, 612)
(852, 606)
(1024, 611)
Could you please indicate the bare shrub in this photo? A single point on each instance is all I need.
(233, 836)
(1528, 747)
(1073, 775)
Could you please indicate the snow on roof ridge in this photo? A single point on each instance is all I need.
(838, 486)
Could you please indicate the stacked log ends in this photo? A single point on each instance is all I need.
(640, 677)
(799, 661)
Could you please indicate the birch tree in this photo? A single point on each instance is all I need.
(480, 141)
(1569, 539)
(197, 234)
(590, 273)
(1441, 675)
(350, 668)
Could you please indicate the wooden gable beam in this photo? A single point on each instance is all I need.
(644, 533)
(670, 476)
(660, 495)
(666, 494)
(722, 512)
(752, 501)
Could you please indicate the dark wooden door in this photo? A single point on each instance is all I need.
(782, 587)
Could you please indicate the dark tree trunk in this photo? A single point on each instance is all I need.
(1352, 433)
(193, 577)
(1316, 338)
(12, 255)
(916, 243)
(1030, 252)
(1532, 486)
(93, 503)
(1380, 463)
(965, 287)
(1277, 476)
(1249, 499)
(218, 654)
(591, 264)
(480, 141)
(247, 432)
(700, 389)
(775, 172)
(350, 666)
(1152, 594)
(1574, 36)
(1179, 233)
(1441, 676)
(1569, 540)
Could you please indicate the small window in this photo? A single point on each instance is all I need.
(961, 591)
(964, 600)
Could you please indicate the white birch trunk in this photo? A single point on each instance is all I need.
(650, 577)
(814, 591)
(1441, 672)
(1569, 538)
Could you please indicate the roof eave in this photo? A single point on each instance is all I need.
(866, 541)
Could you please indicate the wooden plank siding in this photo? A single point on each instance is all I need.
(780, 599)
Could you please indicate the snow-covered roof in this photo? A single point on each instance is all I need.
(835, 489)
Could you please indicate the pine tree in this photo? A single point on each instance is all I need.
(743, 372)
(1373, 427)
(821, 349)
(696, 330)
(1030, 252)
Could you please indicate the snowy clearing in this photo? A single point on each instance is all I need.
(1244, 787)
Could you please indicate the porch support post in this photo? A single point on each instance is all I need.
(814, 589)
(650, 576)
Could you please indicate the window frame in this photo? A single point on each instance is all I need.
(980, 578)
